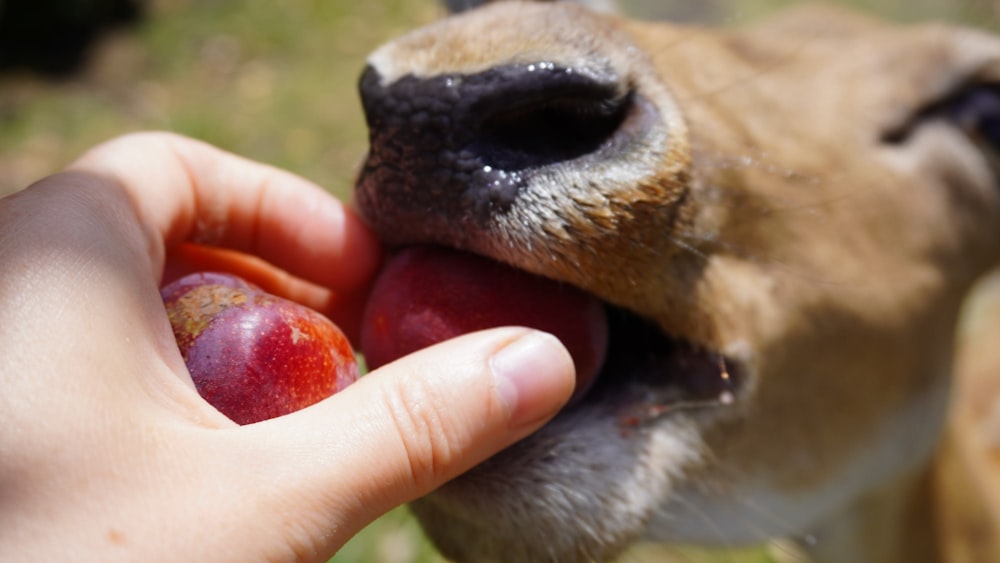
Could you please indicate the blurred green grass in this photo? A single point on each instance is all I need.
(276, 82)
(272, 81)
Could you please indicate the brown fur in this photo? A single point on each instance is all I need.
(794, 210)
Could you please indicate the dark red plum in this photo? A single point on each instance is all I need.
(253, 355)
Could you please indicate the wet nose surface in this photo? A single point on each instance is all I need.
(459, 144)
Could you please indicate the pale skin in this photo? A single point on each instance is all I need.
(108, 452)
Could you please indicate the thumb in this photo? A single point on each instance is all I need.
(412, 425)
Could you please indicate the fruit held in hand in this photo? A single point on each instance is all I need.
(253, 355)
(425, 295)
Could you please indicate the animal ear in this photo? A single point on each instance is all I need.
(456, 6)
(965, 91)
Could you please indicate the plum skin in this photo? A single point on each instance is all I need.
(253, 355)
(425, 295)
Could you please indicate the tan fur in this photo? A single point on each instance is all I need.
(967, 470)
(766, 217)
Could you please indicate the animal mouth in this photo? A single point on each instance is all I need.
(637, 369)
(648, 374)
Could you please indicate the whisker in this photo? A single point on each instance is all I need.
(709, 523)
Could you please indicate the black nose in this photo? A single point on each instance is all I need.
(465, 143)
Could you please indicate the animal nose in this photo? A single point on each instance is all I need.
(468, 141)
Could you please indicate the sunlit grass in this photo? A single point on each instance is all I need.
(272, 81)
(394, 538)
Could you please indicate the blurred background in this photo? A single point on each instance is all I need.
(273, 81)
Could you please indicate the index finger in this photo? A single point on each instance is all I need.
(189, 191)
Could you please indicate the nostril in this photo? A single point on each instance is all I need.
(467, 145)
(508, 117)
(558, 122)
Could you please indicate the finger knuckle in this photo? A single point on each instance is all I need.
(420, 415)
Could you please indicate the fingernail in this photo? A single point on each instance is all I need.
(534, 376)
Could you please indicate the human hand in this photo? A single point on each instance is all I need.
(106, 450)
